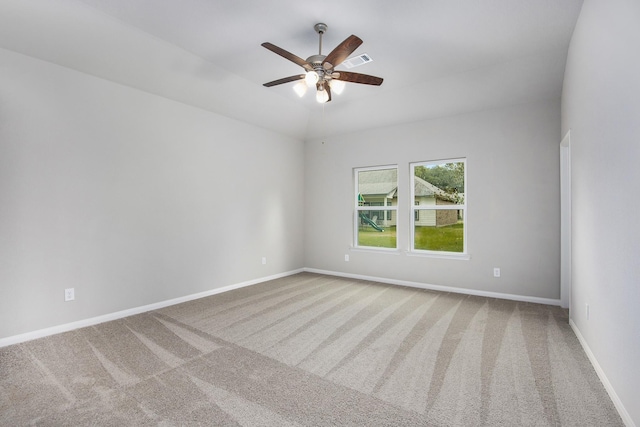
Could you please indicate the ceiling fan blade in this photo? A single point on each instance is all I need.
(285, 80)
(342, 51)
(348, 76)
(288, 55)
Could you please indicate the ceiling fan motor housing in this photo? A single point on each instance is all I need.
(316, 62)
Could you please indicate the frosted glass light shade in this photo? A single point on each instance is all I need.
(322, 96)
(337, 86)
(311, 78)
(300, 88)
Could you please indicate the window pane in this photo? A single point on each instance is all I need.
(439, 230)
(373, 232)
(439, 184)
(377, 191)
(375, 187)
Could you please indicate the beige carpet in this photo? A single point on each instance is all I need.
(312, 350)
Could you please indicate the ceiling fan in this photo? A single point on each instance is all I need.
(320, 69)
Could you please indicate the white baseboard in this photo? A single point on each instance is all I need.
(16, 339)
(626, 418)
(536, 300)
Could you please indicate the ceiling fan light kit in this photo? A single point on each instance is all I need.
(322, 95)
(337, 86)
(320, 69)
(311, 78)
(300, 88)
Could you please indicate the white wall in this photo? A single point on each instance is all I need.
(75, 35)
(131, 198)
(601, 106)
(513, 199)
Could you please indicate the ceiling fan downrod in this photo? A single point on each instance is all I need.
(320, 29)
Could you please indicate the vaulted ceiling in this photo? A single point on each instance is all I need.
(437, 57)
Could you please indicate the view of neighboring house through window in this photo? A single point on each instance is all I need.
(376, 205)
(439, 209)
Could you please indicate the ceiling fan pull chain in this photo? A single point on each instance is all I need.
(324, 129)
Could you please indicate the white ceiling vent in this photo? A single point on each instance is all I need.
(356, 61)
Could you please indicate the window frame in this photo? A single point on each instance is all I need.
(386, 208)
(415, 208)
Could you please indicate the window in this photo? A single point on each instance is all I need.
(376, 204)
(438, 191)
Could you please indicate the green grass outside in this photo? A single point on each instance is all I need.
(449, 238)
(446, 239)
(368, 236)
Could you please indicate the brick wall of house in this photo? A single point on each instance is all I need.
(445, 217)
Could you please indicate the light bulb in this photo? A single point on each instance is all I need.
(311, 78)
(322, 96)
(337, 86)
(300, 88)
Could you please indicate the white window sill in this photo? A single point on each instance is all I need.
(441, 255)
(373, 249)
(392, 251)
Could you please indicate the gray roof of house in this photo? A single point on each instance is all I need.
(385, 181)
(424, 188)
(380, 181)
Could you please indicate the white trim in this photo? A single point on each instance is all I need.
(374, 168)
(626, 418)
(438, 207)
(438, 254)
(565, 221)
(522, 298)
(17, 339)
(422, 254)
(376, 250)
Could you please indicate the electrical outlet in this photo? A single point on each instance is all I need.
(496, 272)
(69, 294)
(264, 260)
(346, 257)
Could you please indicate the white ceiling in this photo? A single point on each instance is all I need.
(437, 57)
